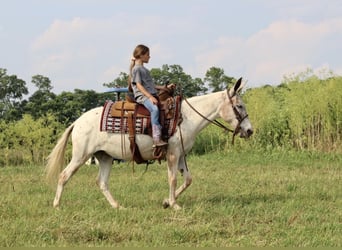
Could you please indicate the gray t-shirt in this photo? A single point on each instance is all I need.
(142, 75)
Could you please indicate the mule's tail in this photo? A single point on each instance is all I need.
(55, 160)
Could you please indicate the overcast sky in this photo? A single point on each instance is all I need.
(84, 43)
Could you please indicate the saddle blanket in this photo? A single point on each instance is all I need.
(118, 124)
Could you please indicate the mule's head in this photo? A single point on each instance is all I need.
(234, 111)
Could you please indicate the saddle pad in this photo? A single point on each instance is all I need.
(116, 124)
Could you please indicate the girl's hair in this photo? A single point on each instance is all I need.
(137, 53)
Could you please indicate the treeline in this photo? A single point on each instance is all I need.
(68, 106)
(304, 112)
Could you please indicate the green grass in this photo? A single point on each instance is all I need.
(236, 199)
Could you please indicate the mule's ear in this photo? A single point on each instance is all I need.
(238, 85)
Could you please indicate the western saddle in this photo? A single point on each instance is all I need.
(131, 110)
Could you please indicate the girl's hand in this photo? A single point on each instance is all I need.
(153, 99)
(171, 86)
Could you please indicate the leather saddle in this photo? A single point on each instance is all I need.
(131, 111)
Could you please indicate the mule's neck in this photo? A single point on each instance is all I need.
(207, 105)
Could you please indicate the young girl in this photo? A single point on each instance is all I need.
(144, 89)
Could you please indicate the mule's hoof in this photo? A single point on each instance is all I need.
(177, 207)
(166, 203)
(117, 206)
(55, 205)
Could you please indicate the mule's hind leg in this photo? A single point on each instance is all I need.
(64, 176)
(105, 167)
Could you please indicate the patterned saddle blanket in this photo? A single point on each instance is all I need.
(115, 117)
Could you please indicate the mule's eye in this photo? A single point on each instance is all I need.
(239, 106)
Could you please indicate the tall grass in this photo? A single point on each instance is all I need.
(304, 112)
(238, 198)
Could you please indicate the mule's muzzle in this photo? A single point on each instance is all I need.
(246, 133)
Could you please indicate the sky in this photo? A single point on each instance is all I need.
(81, 44)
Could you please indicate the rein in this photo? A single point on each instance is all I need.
(219, 124)
(215, 122)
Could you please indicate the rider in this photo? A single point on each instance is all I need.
(144, 89)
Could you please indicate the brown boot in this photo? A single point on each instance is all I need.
(156, 134)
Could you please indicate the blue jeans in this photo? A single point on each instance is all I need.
(154, 112)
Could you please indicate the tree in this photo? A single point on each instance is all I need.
(86, 99)
(42, 101)
(121, 81)
(12, 90)
(68, 106)
(67, 110)
(42, 83)
(217, 80)
(175, 74)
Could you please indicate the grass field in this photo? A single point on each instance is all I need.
(236, 199)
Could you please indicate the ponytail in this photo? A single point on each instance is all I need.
(130, 74)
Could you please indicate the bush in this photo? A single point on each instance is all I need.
(28, 141)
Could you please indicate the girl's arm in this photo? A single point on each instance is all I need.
(146, 93)
(169, 86)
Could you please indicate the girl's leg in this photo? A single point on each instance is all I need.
(156, 128)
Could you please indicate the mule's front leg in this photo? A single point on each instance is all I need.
(172, 178)
(171, 201)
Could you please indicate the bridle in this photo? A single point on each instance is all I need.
(238, 116)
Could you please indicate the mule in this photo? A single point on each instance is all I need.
(87, 140)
